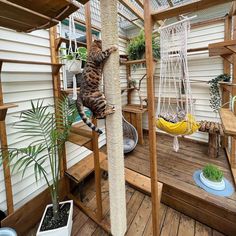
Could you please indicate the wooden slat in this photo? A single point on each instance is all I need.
(228, 121)
(136, 180)
(83, 168)
(196, 5)
(80, 140)
(7, 106)
(132, 8)
(221, 48)
(140, 61)
(134, 109)
(82, 129)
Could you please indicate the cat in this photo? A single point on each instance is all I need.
(90, 94)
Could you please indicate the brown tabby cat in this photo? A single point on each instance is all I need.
(90, 94)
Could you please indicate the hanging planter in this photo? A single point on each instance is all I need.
(65, 230)
(74, 66)
(212, 177)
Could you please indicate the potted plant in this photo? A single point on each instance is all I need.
(74, 59)
(215, 100)
(136, 47)
(212, 177)
(48, 134)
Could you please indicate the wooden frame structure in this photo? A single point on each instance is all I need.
(149, 20)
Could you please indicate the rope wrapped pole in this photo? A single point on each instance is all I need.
(114, 122)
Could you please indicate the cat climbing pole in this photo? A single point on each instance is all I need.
(114, 122)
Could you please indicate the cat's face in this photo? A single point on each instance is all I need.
(98, 42)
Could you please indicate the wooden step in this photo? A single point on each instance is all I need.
(82, 129)
(80, 140)
(83, 168)
(141, 182)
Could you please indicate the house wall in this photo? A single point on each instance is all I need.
(21, 84)
(202, 68)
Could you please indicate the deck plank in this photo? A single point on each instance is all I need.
(186, 226)
(202, 230)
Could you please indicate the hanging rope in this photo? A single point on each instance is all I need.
(175, 113)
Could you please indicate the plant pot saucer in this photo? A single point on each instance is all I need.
(219, 186)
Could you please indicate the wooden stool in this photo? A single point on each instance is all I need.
(134, 115)
(215, 131)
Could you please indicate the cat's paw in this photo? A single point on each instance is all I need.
(113, 48)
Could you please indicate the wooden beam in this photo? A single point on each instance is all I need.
(4, 146)
(232, 11)
(132, 22)
(132, 8)
(196, 5)
(140, 2)
(148, 25)
(95, 145)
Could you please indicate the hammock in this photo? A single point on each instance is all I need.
(130, 136)
(175, 113)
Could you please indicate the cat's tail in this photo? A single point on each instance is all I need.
(83, 116)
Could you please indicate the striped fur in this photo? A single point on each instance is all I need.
(90, 94)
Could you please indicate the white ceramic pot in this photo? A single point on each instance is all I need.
(74, 66)
(211, 184)
(63, 231)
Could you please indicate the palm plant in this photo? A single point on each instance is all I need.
(49, 133)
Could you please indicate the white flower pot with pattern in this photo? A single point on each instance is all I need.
(62, 231)
(212, 184)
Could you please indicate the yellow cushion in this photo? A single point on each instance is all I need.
(180, 128)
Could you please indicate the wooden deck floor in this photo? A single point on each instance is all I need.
(172, 222)
(175, 171)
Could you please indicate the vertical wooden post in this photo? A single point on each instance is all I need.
(225, 93)
(57, 90)
(95, 134)
(4, 146)
(108, 9)
(148, 27)
(233, 143)
(128, 76)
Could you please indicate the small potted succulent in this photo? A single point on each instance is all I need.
(212, 177)
(74, 59)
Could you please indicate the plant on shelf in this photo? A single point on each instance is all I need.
(212, 177)
(48, 133)
(74, 59)
(215, 100)
(136, 47)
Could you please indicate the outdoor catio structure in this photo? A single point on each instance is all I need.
(151, 189)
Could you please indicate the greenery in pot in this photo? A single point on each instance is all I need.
(80, 54)
(213, 173)
(136, 47)
(215, 100)
(48, 134)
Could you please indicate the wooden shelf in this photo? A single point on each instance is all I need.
(141, 61)
(228, 120)
(69, 90)
(83, 168)
(61, 40)
(27, 16)
(228, 86)
(227, 47)
(134, 108)
(55, 67)
(4, 108)
(141, 182)
(81, 134)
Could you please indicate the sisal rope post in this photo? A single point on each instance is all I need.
(114, 122)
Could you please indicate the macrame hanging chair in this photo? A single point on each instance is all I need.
(130, 136)
(175, 110)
